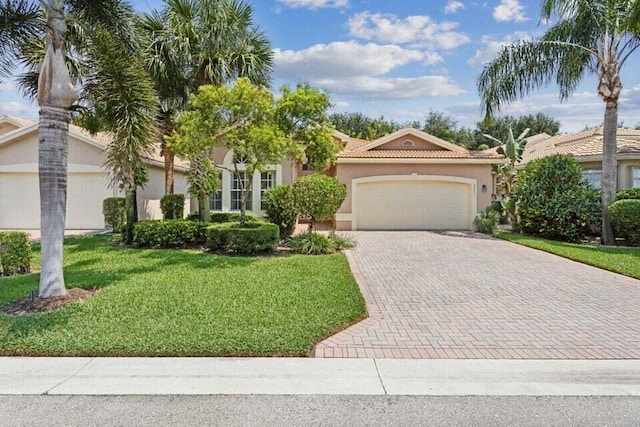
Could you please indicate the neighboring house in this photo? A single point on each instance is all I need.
(586, 148)
(88, 183)
(408, 180)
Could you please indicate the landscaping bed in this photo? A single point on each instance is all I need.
(624, 261)
(184, 303)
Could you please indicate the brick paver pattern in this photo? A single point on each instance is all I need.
(463, 295)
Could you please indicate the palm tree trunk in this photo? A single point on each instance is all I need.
(132, 214)
(53, 154)
(55, 97)
(609, 169)
(169, 162)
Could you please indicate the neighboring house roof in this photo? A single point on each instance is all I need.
(532, 140)
(100, 140)
(438, 148)
(584, 145)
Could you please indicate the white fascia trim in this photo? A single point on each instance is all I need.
(18, 133)
(418, 134)
(473, 183)
(365, 160)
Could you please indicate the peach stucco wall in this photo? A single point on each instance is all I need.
(419, 144)
(482, 173)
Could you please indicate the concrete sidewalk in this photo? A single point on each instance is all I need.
(289, 376)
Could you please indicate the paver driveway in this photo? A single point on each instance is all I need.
(464, 295)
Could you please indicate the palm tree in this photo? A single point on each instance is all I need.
(56, 94)
(595, 37)
(195, 42)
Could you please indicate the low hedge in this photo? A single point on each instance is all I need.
(628, 193)
(171, 233)
(221, 217)
(254, 237)
(172, 206)
(15, 253)
(115, 213)
(625, 218)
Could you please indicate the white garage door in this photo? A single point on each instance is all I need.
(20, 200)
(414, 205)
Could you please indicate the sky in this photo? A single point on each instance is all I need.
(402, 58)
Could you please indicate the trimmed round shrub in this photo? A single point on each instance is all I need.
(220, 217)
(253, 238)
(15, 253)
(171, 233)
(553, 201)
(115, 213)
(487, 221)
(628, 193)
(280, 207)
(625, 218)
(318, 197)
(312, 244)
(172, 206)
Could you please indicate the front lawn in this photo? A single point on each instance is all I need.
(619, 260)
(179, 302)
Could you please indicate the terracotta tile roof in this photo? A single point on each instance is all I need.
(418, 154)
(103, 139)
(582, 144)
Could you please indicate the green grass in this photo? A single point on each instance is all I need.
(180, 302)
(619, 260)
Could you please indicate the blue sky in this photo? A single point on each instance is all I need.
(402, 58)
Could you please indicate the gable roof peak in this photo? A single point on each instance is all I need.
(445, 145)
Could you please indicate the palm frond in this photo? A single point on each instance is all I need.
(20, 20)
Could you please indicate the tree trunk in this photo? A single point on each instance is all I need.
(132, 214)
(609, 169)
(169, 162)
(55, 97)
(203, 207)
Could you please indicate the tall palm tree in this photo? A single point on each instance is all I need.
(195, 42)
(56, 94)
(589, 37)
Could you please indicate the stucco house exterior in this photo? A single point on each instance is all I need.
(586, 148)
(407, 180)
(88, 183)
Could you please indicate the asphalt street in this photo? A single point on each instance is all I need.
(313, 410)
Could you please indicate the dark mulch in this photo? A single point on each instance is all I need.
(29, 305)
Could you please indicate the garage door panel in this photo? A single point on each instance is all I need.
(20, 200)
(413, 205)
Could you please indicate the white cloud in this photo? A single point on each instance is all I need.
(491, 46)
(340, 106)
(453, 6)
(388, 28)
(18, 109)
(342, 60)
(509, 11)
(432, 58)
(315, 4)
(392, 88)
(7, 86)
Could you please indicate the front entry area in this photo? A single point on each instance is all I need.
(414, 202)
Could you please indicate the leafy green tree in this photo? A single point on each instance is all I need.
(190, 43)
(318, 197)
(240, 117)
(498, 127)
(360, 126)
(38, 37)
(594, 37)
(302, 116)
(445, 127)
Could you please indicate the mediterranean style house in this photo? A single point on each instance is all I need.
(88, 183)
(586, 148)
(408, 180)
